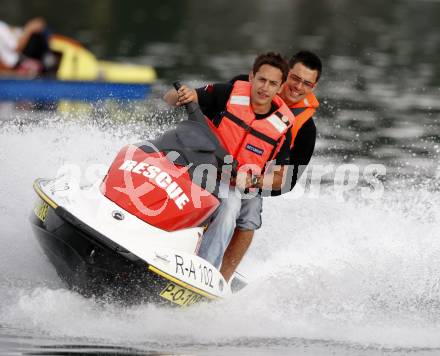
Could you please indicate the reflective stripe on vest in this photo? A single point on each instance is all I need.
(248, 140)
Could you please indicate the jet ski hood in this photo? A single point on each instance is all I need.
(157, 191)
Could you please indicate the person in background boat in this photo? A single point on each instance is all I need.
(254, 123)
(305, 69)
(23, 51)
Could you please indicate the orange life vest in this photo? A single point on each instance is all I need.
(303, 111)
(248, 140)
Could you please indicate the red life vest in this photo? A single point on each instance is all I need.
(303, 111)
(248, 140)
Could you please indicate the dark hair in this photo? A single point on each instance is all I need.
(273, 59)
(309, 59)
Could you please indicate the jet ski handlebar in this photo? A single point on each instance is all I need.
(195, 114)
(192, 109)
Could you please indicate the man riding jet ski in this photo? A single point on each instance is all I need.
(134, 235)
(255, 125)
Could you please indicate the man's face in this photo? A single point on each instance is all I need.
(266, 83)
(300, 82)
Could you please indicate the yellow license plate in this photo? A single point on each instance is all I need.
(41, 210)
(179, 295)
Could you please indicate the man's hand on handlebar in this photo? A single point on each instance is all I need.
(186, 95)
(180, 97)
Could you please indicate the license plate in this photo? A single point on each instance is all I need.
(179, 295)
(41, 210)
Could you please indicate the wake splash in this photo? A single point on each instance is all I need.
(355, 271)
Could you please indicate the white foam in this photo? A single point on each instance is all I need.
(355, 270)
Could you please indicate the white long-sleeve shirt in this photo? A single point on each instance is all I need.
(9, 37)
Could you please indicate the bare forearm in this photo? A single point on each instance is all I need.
(181, 97)
(272, 180)
(22, 41)
(35, 25)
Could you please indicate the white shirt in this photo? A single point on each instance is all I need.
(9, 37)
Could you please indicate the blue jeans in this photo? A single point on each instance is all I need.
(233, 211)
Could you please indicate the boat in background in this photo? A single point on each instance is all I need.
(79, 64)
(79, 76)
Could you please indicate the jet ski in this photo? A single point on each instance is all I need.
(134, 235)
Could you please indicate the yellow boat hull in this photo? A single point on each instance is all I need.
(78, 63)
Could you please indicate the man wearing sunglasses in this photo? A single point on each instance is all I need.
(305, 69)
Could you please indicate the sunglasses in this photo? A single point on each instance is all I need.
(306, 83)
